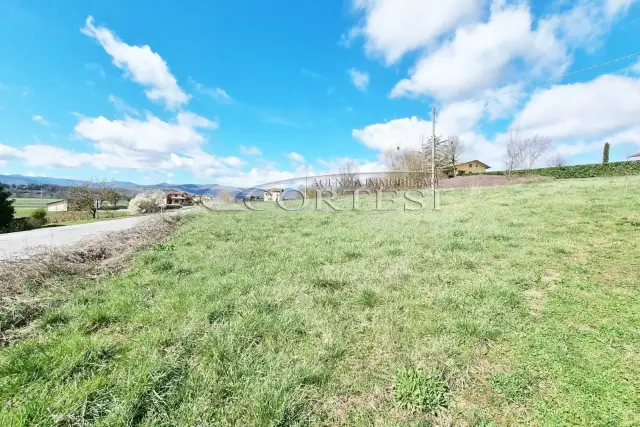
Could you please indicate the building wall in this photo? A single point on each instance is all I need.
(58, 207)
(471, 167)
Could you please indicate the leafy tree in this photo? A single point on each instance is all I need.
(605, 154)
(6, 208)
(111, 195)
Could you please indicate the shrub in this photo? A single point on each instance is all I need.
(6, 208)
(147, 203)
(605, 154)
(39, 217)
(20, 224)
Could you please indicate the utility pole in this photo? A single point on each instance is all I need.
(433, 156)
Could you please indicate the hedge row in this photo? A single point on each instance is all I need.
(583, 171)
(58, 217)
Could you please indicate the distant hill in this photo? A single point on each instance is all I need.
(26, 180)
(133, 188)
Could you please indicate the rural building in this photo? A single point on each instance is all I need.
(473, 166)
(178, 199)
(273, 195)
(58, 206)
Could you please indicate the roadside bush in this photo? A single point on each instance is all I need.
(18, 224)
(147, 203)
(582, 171)
(39, 217)
(6, 208)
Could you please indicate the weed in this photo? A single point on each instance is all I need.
(329, 284)
(417, 389)
(515, 387)
(368, 298)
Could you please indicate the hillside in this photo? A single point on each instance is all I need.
(515, 305)
(133, 188)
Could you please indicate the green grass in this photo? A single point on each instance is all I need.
(25, 206)
(510, 306)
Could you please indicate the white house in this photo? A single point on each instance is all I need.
(59, 206)
(273, 195)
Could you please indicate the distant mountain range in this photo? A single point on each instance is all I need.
(132, 188)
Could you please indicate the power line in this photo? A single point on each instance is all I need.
(622, 58)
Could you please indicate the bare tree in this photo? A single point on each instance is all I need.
(225, 196)
(524, 153)
(533, 148)
(348, 174)
(410, 164)
(556, 160)
(88, 196)
(453, 148)
(513, 152)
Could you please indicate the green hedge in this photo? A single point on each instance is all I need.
(582, 171)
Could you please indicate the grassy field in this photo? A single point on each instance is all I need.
(510, 306)
(24, 206)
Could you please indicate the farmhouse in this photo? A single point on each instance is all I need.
(273, 195)
(178, 199)
(58, 206)
(473, 166)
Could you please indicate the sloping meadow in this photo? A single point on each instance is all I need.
(513, 305)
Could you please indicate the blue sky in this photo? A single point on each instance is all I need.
(246, 92)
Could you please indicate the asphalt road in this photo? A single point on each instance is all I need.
(13, 245)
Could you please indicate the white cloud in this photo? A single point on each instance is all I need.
(592, 109)
(141, 65)
(41, 155)
(39, 119)
(170, 175)
(8, 153)
(149, 144)
(480, 56)
(257, 176)
(233, 161)
(251, 150)
(219, 95)
(407, 133)
(392, 28)
(635, 68)
(360, 79)
(132, 143)
(614, 7)
(399, 132)
(148, 135)
(504, 101)
(122, 106)
(296, 157)
(333, 166)
(189, 119)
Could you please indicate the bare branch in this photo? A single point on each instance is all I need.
(556, 160)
